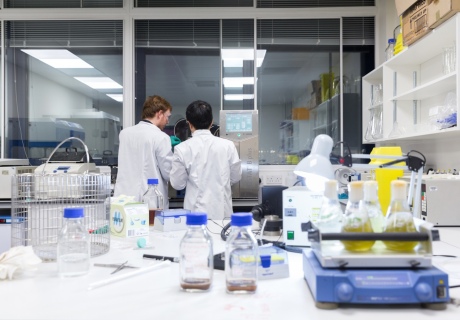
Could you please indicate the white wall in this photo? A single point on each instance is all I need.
(50, 98)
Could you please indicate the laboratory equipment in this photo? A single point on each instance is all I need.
(300, 205)
(331, 287)
(356, 219)
(241, 256)
(125, 276)
(171, 220)
(241, 127)
(437, 205)
(273, 263)
(330, 217)
(389, 51)
(399, 217)
(73, 248)
(196, 255)
(316, 168)
(9, 168)
(269, 211)
(38, 201)
(372, 205)
(102, 131)
(336, 276)
(153, 198)
(117, 267)
(42, 135)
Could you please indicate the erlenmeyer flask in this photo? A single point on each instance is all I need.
(398, 130)
(399, 217)
(368, 135)
(356, 218)
(377, 123)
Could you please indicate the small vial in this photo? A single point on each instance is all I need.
(196, 261)
(241, 256)
(73, 248)
(153, 198)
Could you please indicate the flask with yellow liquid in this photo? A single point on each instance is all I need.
(399, 217)
(356, 218)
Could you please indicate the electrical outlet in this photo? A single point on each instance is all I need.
(274, 179)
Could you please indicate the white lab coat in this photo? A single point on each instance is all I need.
(206, 166)
(144, 153)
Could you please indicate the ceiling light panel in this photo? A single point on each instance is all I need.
(59, 59)
(99, 82)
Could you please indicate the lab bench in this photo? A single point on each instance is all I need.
(157, 295)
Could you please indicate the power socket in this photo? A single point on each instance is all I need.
(274, 180)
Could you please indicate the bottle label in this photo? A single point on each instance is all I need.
(195, 259)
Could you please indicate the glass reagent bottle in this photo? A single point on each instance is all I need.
(196, 261)
(389, 51)
(74, 246)
(241, 256)
(153, 198)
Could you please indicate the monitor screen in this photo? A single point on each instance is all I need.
(238, 122)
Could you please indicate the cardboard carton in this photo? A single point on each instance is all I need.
(414, 22)
(129, 219)
(403, 5)
(441, 10)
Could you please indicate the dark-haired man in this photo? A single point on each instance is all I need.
(205, 165)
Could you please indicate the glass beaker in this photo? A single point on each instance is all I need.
(448, 59)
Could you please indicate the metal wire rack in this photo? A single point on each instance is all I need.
(38, 202)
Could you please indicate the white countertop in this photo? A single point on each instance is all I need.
(157, 295)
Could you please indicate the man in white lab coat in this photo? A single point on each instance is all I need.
(205, 165)
(145, 152)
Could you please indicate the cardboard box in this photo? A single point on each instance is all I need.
(441, 10)
(129, 219)
(171, 220)
(415, 22)
(300, 114)
(403, 5)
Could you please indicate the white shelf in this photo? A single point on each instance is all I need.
(427, 90)
(427, 47)
(421, 63)
(431, 135)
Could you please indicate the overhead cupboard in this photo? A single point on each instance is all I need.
(413, 95)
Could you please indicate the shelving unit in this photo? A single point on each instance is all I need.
(413, 82)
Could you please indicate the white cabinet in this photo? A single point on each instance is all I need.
(414, 86)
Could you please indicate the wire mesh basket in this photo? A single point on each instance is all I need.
(38, 202)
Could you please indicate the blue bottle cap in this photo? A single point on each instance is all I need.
(197, 219)
(241, 219)
(152, 181)
(74, 213)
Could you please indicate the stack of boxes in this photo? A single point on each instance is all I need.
(419, 17)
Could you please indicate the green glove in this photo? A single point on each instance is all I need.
(175, 141)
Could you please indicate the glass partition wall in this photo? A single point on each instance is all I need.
(64, 79)
(302, 75)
